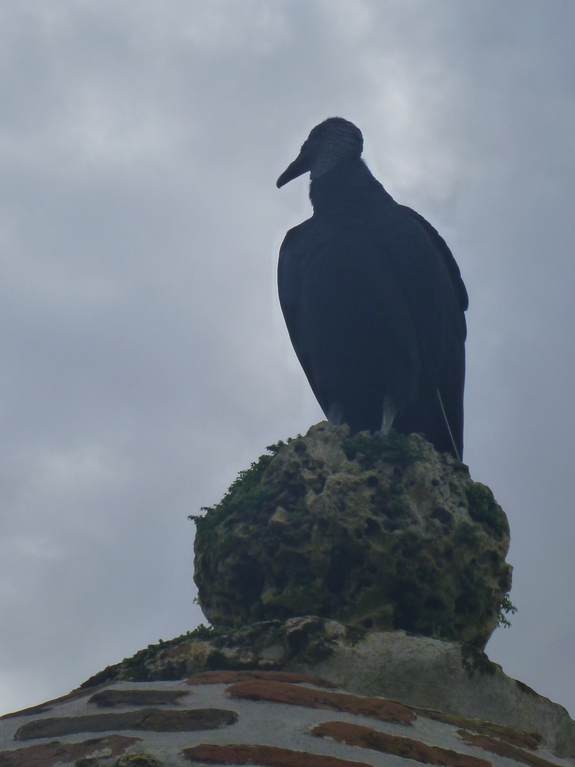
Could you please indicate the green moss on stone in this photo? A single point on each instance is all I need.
(136, 668)
(246, 493)
(484, 509)
(468, 534)
(371, 531)
(394, 448)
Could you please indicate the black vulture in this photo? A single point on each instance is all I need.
(373, 299)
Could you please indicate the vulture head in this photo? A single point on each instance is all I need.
(328, 143)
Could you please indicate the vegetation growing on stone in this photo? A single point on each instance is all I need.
(394, 447)
(246, 493)
(136, 668)
(468, 535)
(379, 533)
(484, 509)
(505, 608)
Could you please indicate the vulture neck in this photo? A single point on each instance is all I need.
(345, 189)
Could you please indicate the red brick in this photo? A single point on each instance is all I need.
(509, 735)
(280, 692)
(408, 748)
(503, 749)
(267, 756)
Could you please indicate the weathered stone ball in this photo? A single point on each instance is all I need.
(375, 532)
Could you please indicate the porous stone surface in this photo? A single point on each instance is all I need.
(375, 532)
(111, 698)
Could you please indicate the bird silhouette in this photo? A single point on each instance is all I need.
(373, 299)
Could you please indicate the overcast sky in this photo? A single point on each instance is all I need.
(143, 356)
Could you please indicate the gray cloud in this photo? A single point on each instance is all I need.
(143, 357)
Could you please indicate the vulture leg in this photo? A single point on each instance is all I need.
(389, 412)
(335, 414)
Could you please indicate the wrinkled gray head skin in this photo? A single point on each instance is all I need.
(328, 142)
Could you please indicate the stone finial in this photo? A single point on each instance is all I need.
(376, 532)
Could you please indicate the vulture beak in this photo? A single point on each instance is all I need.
(301, 164)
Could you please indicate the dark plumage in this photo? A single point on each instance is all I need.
(373, 299)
